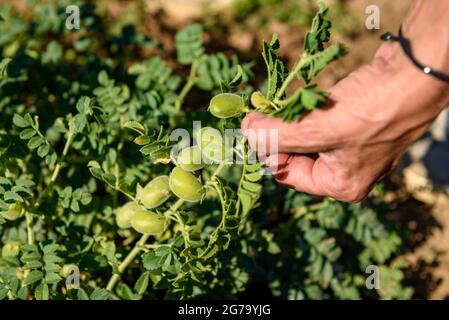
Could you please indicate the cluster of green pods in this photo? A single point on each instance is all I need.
(183, 181)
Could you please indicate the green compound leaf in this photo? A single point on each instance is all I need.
(82, 295)
(142, 283)
(4, 68)
(53, 53)
(33, 277)
(42, 291)
(27, 133)
(22, 122)
(35, 142)
(151, 261)
(319, 33)
(99, 294)
(275, 67)
(250, 189)
(314, 63)
(84, 105)
(136, 126)
(12, 196)
(43, 150)
(189, 43)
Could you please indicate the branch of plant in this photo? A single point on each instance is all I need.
(117, 186)
(185, 233)
(35, 126)
(282, 103)
(130, 196)
(30, 236)
(304, 60)
(55, 174)
(245, 162)
(223, 207)
(29, 214)
(217, 171)
(214, 184)
(191, 80)
(29, 223)
(176, 216)
(70, 137)
(158, 245)
(142, 242)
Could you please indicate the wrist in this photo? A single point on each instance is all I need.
(415, 97)
(428, 37)
(414, 81)
(425, 28)
(417, 86)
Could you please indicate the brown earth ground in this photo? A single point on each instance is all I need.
(421, 210)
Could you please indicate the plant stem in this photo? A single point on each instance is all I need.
(318, 206)
(245, 163)
(117, 186)
(223, 208)
(291, 76)
(28, 215)
(64, 154)
(293, 97)
(131, 197)
(157, 245)
(29, 222)
(217, 171)
(54, 176)
(185, 234)
(141, 243)
(191, 80)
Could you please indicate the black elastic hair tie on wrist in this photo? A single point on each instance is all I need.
(405, 44)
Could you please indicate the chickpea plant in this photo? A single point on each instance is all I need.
(92, 179)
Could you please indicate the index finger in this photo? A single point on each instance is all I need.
(313, 133)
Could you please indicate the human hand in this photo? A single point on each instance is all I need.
(373, 116)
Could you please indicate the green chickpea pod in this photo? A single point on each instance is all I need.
(124, 214)
(226, 105)
(185, 185)
(148, 222)
(212, 145)
(155, 193)
(190, 159)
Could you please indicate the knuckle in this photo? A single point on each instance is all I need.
(355, 198)
(348, 190)
(249, 121)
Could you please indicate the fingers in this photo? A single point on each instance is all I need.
(343, 121)
(320, 178)
(269, 135)
(277, 162)
(300, 172)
